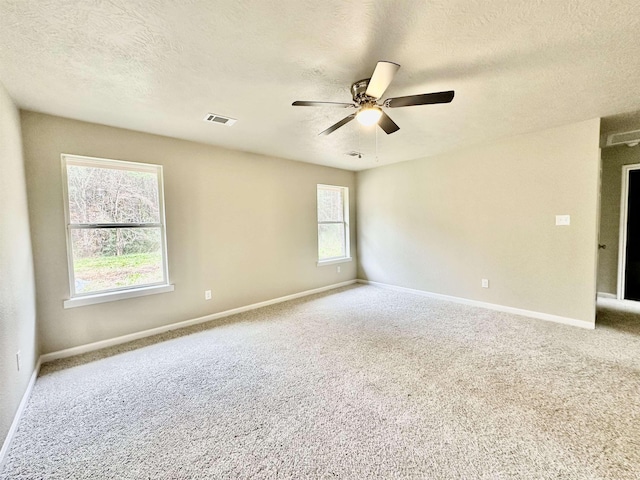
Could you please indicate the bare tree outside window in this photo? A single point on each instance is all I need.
(115, 225)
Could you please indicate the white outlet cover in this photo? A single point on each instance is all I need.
(207, 294)
(485, 283)
(563, 219)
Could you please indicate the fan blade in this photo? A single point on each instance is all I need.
(300, 103)
(388, 125)
(381, 78)
(342, 122)
(424, 99)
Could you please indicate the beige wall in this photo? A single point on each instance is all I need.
(239, 224)
(613, 158)
(17, 291)
(443, 223)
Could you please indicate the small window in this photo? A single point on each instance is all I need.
(115, 228)
(333, 224)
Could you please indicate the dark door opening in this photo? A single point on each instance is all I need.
(632, 264)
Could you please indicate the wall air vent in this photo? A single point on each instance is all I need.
(219, 119)
(631, 138)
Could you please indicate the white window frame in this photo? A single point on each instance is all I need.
(345, 217)
(81, 299)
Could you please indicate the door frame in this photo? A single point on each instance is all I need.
(622, 242)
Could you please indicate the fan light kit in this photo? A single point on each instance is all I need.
(366, 96)
(369, 116)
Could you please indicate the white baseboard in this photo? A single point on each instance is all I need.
(16, 418)
(89, 347)
(491, 306)
(607, 295)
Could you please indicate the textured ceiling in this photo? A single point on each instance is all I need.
(160, 66)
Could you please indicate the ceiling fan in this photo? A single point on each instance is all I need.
(366, 94)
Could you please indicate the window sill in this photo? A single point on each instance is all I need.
(113, 296)
(333, 261)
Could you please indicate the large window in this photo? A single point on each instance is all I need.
(333, 224)
(115, 229)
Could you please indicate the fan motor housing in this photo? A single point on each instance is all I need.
(358, 92)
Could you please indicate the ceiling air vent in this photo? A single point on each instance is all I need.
(219, 119)
(631, 138)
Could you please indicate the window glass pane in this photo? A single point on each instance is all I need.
(107, 195)
(111, 258)
(330, 207)
(331, 241)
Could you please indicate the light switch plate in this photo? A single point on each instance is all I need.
(563, 219)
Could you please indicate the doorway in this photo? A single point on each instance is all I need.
(629, 249)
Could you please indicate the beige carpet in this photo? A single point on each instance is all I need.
(356, 383)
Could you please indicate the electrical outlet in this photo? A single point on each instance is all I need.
(338, 268)
(485, 283)
(207, 294)
(18, 360)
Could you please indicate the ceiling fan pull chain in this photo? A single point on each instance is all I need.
(376, 145)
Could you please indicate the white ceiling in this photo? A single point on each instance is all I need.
(160, 66)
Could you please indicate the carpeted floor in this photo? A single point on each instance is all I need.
(355, 383)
